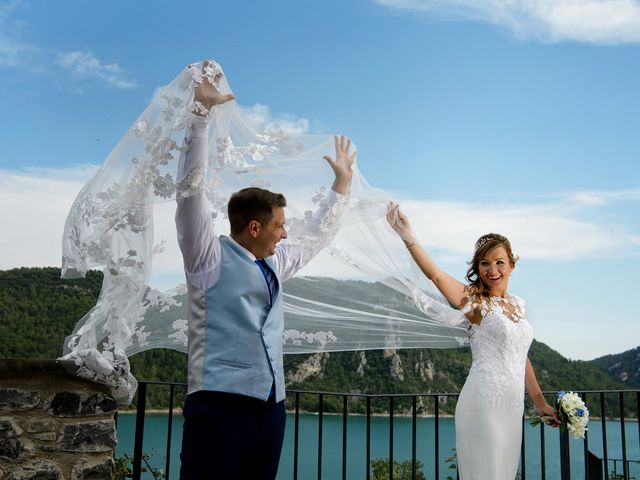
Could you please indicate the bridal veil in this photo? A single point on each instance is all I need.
(122, 223)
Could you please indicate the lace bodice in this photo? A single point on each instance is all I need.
(499, 346)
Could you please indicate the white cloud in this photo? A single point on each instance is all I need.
(37, 201)
(569, 228)
(11, 47)
(75, 173)
(32, 217)
(288, 123)
(87, 65)
(591, 21)
(595, 199)
(77, 66)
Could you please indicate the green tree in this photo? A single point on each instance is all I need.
(401, 471)
(124, 467)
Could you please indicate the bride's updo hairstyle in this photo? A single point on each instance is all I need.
(484, 245)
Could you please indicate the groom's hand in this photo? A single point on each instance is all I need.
(343, 165)
(208, 93)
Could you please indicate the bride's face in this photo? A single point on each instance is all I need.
(494, 270)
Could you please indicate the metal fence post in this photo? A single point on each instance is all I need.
(565, 457)
(141, 406)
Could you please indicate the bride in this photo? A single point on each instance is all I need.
(489, 411)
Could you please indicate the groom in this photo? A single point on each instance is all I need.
(234, 415)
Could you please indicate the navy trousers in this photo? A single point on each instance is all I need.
(228, 436)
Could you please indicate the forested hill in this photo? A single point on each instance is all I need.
(624, 367)
(38, 310)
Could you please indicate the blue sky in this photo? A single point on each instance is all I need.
(520, 117)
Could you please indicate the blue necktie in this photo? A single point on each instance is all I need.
(270, 278)
(272, 284)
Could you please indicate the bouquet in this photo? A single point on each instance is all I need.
(572, 412)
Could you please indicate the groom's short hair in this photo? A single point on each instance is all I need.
(252, 203)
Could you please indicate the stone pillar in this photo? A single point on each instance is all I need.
(53, 425)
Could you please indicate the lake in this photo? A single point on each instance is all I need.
(156, 436)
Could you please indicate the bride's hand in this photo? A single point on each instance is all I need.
(207, 92)
(548, 415)
(400, 223)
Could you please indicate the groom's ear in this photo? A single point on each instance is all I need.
(254, 228)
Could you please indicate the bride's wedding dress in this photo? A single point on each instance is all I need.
(489, 410)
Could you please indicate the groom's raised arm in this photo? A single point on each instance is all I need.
(324, 223)
(199, 245)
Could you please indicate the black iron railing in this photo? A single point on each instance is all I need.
(595, 467)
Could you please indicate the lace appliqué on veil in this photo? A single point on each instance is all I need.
(297, 337)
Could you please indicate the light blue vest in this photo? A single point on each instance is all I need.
(235, 336)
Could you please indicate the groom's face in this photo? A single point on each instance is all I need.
(271, 233)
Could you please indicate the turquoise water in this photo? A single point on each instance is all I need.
(155, 440)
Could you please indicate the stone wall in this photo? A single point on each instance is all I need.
(54, 426)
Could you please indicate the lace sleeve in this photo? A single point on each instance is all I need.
(437, 311)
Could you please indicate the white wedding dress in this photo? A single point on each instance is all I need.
(489, 410)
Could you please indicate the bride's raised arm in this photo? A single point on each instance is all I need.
(453, 290)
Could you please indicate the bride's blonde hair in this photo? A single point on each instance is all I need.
(484, 245)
